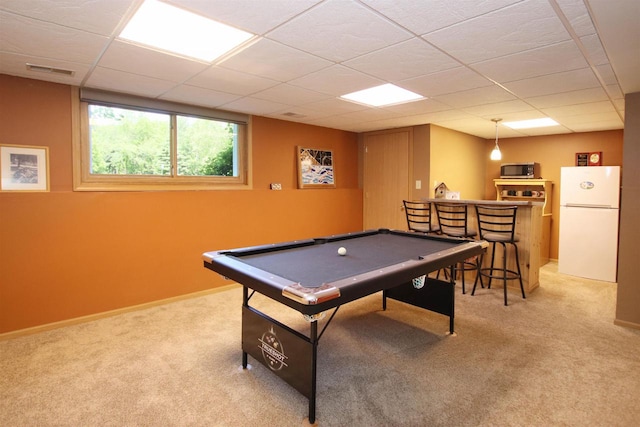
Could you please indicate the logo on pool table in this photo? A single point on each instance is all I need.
(272, 350)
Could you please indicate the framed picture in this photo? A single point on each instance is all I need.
(24, 168)
(315, 168)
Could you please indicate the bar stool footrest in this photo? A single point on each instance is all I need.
(499, 274)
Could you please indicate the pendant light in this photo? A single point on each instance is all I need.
(496, 154)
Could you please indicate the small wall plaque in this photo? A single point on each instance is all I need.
(582, 159)
(595, 158)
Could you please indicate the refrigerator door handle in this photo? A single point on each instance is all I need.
(578, 205)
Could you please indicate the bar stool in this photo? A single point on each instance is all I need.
(453, 222)
(419, 217)
(497, 225)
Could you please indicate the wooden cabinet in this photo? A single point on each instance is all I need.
(544, 188)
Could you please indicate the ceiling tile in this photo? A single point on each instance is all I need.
(368, 114)
(473, 97)
(99, 17)
(614, 91)
(554, 83)
(527, 25)
(576, 12)
(568, 98)
(148, 62)
(596, 124)
(413, 14)
(334, 106)
(105, 78)
(290, 94)
(255, 16)
(520, 115)
(15, 65)
(574, 110)
(337, 80)
(418, 107)
(299, 113)
(337, 122)
(595, 51)
(416, 56)
(608, 117)
(532, 63)
(273, 60)
(198, 96)
(339, 30)
(498, 109)
(454, 80)
(37, 38)
(442, 116)
(471, 125)
(607, 74)
(551, 130)
(229, 81)
(255, 106)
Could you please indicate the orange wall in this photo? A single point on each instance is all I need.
(66, 254)
(454, 161)
(553, 152)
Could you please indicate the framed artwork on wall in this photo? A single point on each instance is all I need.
(24, 168)
(315, 168)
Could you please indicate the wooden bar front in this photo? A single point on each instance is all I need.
(529, 223)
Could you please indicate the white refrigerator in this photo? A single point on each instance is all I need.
(589, 207)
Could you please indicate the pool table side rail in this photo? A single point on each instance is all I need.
(315, 300)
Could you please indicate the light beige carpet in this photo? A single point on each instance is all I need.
(554, 359)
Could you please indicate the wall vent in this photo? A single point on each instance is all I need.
(48, 69)
(294, 115)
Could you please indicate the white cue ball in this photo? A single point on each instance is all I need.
(342, 251)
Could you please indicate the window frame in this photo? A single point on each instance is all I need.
(84, 180)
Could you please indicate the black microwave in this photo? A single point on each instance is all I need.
(529, 170)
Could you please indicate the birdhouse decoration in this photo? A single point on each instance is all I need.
(440, 192)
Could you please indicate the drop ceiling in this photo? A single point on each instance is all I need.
(571, 60)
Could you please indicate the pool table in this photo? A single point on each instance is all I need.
(311, 277)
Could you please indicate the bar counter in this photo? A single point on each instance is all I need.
(529, 226)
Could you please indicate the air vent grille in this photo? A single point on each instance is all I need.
(294, 115)
(48, 69)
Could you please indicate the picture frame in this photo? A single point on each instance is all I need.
(24, 168)
(315, 168)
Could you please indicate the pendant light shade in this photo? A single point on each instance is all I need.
(496, 154)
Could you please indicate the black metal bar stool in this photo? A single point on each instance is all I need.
(497, 225)
(453, 222)
(419, 217)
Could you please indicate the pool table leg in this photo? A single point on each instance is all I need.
(245, 303)
(453, 298)
(313, 335)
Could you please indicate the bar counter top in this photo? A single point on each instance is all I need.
(488, 202)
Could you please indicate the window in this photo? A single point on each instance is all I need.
(130, 143)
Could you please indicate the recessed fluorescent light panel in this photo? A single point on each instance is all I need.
(529, 124)
(380, 96)
(175, 30)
